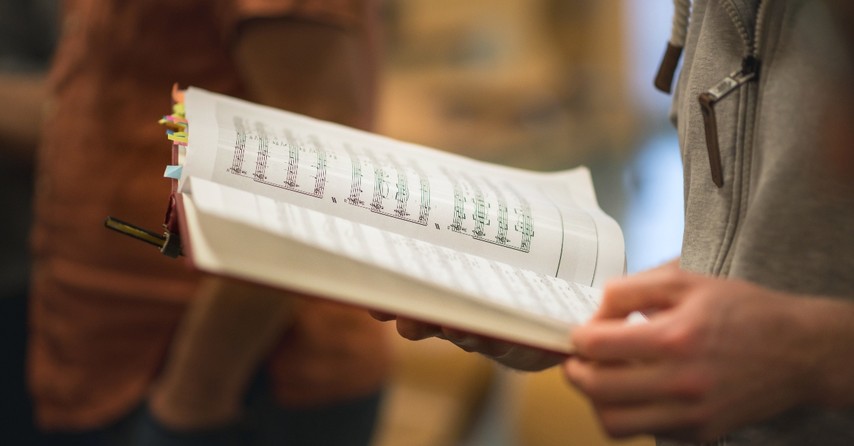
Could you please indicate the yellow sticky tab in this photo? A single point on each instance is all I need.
(177, 136)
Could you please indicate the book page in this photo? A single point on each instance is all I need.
(489, 282)
(548, 223)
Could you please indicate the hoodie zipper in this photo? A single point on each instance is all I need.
(748, 71)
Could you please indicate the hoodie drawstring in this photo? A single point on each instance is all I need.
(678, 33)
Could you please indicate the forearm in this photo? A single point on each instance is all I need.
(227, 332)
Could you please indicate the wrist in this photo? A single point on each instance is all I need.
(829, 325)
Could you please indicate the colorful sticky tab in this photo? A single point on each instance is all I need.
(171, 124)
(176, 136)
(176, 119)
(177, 93)
(173, 172)
(176, 123)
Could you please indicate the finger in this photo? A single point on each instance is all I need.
(470, 342)
(621, 383)
(509, 354)
(476, 343)
(416, 331)
(651, 290)
(530, 359)
(380, 316)
(616, 340)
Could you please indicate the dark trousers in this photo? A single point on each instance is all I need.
(16, 417)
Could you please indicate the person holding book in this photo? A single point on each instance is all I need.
(749, 336)
(130, 347)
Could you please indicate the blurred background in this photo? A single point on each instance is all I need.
(539, 84)
(28, 33)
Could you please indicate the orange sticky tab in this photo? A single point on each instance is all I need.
(177, 94)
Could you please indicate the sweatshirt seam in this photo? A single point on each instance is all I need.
(741, 177)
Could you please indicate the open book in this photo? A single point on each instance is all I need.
(315, 207)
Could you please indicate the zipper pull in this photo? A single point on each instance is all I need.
(749, 71)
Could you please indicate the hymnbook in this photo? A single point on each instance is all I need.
(301, 204)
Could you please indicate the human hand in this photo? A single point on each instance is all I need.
(511, 355)
(714, 355)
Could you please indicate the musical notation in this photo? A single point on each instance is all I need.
(277, 158)
(484, 202)
(376, 181)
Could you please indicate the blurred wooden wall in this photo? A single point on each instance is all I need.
(533, 83)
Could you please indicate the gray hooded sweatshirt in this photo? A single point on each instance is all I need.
(784, 215)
